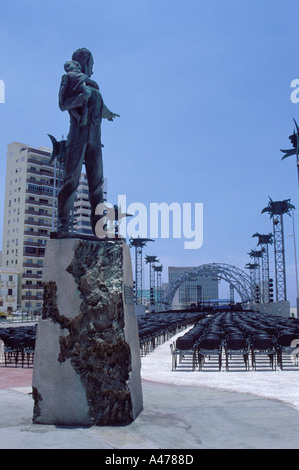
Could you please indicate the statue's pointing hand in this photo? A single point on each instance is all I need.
(112, 115)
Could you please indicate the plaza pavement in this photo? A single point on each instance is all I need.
(237, 409)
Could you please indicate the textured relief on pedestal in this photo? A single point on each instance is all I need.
(50, 308)
(37, 399)
(96, 345)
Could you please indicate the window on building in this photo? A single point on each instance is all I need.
(29, 249)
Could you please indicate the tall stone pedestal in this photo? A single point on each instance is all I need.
(87, 358)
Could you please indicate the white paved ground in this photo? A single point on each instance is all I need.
(277, 384)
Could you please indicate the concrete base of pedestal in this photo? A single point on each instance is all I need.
(87, 357)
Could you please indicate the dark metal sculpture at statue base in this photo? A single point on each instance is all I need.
(62, 235)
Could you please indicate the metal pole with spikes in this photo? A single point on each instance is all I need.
(264, 241)
(138, 243)
(158, 270)
(294, 138)
(277, 209)
(256, 255)
(151, 260)
(253, 267)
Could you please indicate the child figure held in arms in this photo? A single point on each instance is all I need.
(78, 83)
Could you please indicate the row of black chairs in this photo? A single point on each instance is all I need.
(247, 334)
(18, 345)
(156, 328)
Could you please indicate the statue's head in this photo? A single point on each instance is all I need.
(85, 59)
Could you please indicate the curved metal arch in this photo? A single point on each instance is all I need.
(231, 274)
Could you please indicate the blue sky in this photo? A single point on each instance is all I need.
(203, 90)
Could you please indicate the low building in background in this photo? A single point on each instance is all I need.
(8, 291)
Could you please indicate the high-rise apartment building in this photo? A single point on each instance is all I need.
(29, 217)
(81, 222)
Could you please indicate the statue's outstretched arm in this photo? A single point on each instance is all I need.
(107, 114)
